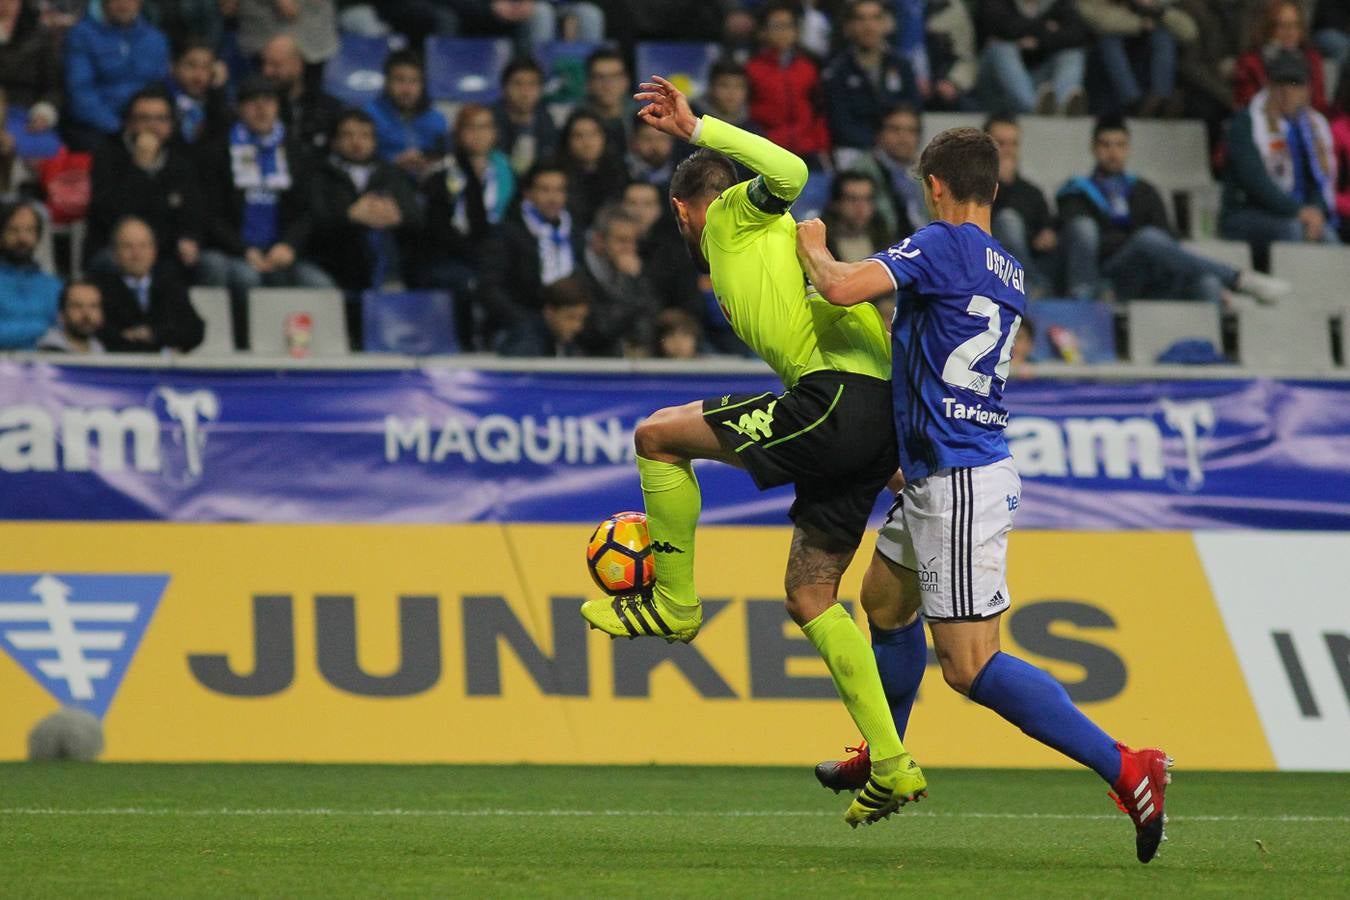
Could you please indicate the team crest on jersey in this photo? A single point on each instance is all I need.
(77, 634)
(902, 251)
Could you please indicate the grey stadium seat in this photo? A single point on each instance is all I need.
(1054, 150)
(1237, 254)
(934, 123)
(1174, 154)
(213, 305)
(1155, 325)
(269, 307)
(1320, 273)
(1344, 327)
(1284, 337)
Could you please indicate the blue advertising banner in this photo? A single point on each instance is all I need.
(457, 445)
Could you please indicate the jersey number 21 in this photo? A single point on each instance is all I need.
(959, 370)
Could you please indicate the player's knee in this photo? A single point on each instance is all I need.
(649, 437)
(959, 675)
(804, 604)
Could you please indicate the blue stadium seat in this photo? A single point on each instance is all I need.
(466, 70)
(1091, 323)
(814, 197)
(414, 323)
(356, 75)
(685, 63)
(564, 65)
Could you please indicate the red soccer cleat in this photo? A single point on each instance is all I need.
(849, 774)
(1139, 794)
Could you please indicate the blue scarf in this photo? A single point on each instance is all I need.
(258, 167)
(1109, 193)
(555, 242)
(191, 112)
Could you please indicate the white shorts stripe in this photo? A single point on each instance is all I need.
(952, 529)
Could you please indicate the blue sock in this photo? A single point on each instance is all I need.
(1038, 704)
(902, 656)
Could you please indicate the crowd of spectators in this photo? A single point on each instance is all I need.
(215, 157)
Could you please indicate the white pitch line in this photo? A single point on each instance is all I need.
(603, 813)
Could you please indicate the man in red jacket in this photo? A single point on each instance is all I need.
(785, 88)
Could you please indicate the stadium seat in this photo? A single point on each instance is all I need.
(356, 75)
(1319, 273)
(1284, 337)
(935, 123)
(1237, 254)
(686, 63)
(1174, 154)
(269, 309)
(213, 305)
(1342, 324)
(1155, 325)
(564, 65)
(1091, 324)
(814, 197)
(1054, 150)
(414, 323)
(466, 69)
(1175, 157)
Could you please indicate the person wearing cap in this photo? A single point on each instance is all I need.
(1280, 180)
(256, 178)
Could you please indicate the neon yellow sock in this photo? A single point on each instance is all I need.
(673, 501)
(854, 670)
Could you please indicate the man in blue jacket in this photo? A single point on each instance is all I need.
(106, 63)
(866, 78)
(27, 294)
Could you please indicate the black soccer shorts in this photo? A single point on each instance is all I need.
(832, 436)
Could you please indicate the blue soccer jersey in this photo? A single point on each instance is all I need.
(960, 303)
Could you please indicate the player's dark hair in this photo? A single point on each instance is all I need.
(543, 167)
(999, 119)
(600, 55)
(966, 161)
(63, 300)
(566, 292)
(522, 64)
(726, 68)
(1108, 123)
(704, 172)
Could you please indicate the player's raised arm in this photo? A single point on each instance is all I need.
(841, 283)
(667, 109)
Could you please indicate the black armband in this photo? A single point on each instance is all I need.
(764, 200)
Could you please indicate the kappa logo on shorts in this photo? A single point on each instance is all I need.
(756, 424)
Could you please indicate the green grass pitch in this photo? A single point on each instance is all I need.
(422, 831)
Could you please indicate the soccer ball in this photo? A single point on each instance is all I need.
(619, 554)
